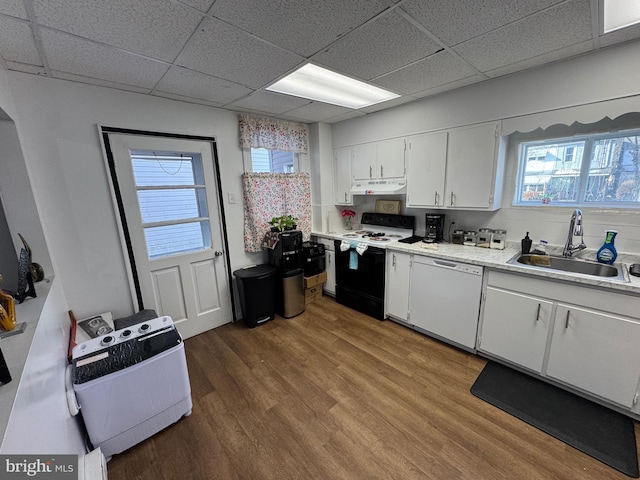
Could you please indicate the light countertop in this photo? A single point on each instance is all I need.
(497, 260)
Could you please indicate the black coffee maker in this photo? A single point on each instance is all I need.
(434, 231)
(287, 254)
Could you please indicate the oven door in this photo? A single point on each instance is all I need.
(360, 279)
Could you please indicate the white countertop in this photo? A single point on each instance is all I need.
(497, 259)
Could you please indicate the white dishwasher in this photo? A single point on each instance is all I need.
(445, 300)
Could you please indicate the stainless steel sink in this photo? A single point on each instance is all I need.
(617, 271)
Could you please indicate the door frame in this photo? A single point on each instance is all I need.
(121, 218)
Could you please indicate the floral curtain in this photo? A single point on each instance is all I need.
(273, 134)
(268, 195)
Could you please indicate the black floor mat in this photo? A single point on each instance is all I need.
(605, 435)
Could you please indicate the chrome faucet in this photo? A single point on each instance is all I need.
(575, 228)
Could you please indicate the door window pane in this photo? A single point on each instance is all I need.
(172, 200)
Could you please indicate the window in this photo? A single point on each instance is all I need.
(273, 161)
(597, 170)
(173, 204)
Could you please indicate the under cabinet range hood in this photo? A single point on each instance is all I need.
(381, 187)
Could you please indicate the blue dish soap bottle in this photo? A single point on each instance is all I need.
(607, 252)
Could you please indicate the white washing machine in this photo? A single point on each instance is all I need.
(131, 383)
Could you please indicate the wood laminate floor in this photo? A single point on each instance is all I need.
(334, 394)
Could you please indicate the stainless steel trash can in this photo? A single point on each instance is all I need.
(292, 293)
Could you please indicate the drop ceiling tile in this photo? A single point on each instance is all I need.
(533, 62)
(156, 28)
(75, 55)
(301, 27)
(450, 86)
(181, 81)
(380, 47)
(388, 104)
(226, 52)
(454, 21)
(96, 81)
(17, 43)
(537, 35)
(317, 112)
(15, 8)
(345, 116)
(202, 5)
(436, 70)
(25, 68)
(183, 98)
(263, 101)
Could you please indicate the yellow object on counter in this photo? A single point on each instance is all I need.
(428, 246)
(7, 311)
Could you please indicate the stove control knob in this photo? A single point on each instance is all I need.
(144, 328)
(126, 333)
(108, 340)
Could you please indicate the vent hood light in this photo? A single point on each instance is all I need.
(620, 14)
(317, 83)
(379, 188)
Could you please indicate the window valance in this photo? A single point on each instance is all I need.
(273, 134)
(583, 114)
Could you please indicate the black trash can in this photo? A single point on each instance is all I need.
(257, 291)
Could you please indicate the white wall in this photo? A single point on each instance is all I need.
(57, 123)
(604, 75)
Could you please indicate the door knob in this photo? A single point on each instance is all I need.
(217, 253)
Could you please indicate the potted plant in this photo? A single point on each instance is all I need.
(282, 223)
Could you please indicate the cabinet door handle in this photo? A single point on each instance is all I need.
(566, 323)
(381, 171)
(538, 314)
(452, 199)
(393, 260)
(435, 198)
(345, 196)
(370, 171)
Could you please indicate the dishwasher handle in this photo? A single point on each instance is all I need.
(445, 264)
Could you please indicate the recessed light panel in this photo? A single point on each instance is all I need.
(620, 14)
(322, 85)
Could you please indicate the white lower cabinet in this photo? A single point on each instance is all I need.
(582, 337)
(597, 352)
(398, 275)
(515, 327)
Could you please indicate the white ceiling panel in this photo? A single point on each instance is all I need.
(433, 71)
(226, 52)
(454, 21)
(537, 35)
(317, 112)
(71, 54)
(103, 83)
(17, 42)
(202, 5)
(15, 8)
(263, 101)
(378, 48)
(155, 28)
(181, 81)
(304, 27)
(533, 62)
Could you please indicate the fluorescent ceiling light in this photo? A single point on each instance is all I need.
(317, 83)
(620, 13)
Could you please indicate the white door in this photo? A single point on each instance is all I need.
(169, 195)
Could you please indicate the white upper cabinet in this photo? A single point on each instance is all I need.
(378, 160)
(474, 167)
(460, 168)
(342, 176)
(426, 168)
